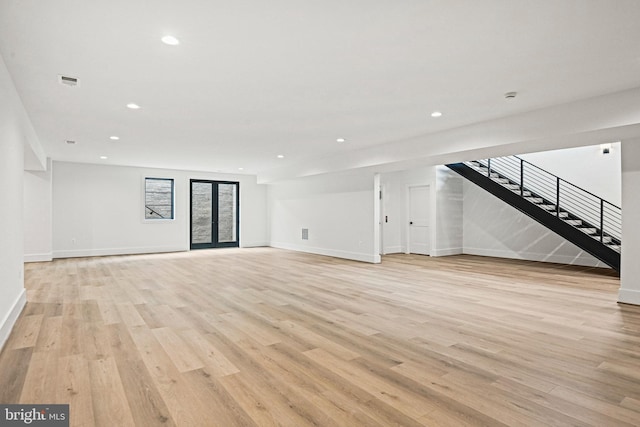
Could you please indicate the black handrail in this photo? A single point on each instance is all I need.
(560, 196)
(579, 188)
(154, 212)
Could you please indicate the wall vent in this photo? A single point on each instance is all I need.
(305, 234)
(68, 81)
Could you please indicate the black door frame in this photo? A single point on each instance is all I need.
(214, 213)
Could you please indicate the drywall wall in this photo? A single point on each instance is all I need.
(585, 167)
(38, 215)
(336, 209)
(494, 228)
(395, 207)
(13, 123)
(393, 212)
(98, 210)
(629, 283)
(445, 189)
(449, 212)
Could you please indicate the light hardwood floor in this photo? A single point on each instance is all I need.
(260, 337)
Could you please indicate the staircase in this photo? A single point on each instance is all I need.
(586, 220)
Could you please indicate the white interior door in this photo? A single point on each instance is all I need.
(419, 235)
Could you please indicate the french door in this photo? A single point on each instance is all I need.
(215, 214)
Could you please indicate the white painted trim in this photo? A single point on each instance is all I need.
(38, 257)
(394, 250)
(10, 319)
(377, 203)
(355, 256)
(254, 244)
(583, 259)
(629, 296)
(446, 252)
(117, 251)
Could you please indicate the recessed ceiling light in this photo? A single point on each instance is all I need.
(114, 138)
(170, 40)
(133, 106)
(240, 169)
(70, 142)
(436, 114)
(340, 140)
(280, 156)
(510, 95)
(104, 157)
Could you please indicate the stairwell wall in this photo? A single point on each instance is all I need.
(493, 228)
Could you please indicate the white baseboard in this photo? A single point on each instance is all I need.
(38, 257)
(117, 251)
(10, 319)
(356, 256)
(254, 244)
(582, 259)
(393, 250)
(629, 296)
(446, 252)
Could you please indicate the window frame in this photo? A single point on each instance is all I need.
(144, 199)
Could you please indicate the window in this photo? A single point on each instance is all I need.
(158, 198)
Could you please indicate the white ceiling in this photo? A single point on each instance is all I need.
(253, 79)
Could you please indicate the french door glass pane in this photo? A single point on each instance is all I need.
(227, 213)
(201, 214)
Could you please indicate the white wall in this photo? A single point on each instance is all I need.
(585, 167)
(445, 209)
(630, 274)
(395, 202)
(13, 122)
(38, 215)
(449, 213)
(337, 209)
(394, 209)
(98, 210)
(493, 228)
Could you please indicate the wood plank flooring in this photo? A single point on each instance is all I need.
(267, 337)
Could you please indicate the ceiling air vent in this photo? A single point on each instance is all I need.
(68, 81)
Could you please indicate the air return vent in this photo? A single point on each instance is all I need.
(305, 234)
(68, 81)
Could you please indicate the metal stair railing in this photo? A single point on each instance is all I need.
(559, 197)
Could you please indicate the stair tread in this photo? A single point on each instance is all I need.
(587, 230)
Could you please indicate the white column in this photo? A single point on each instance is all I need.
(376, 218)
(630, 263)
(37, 215)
